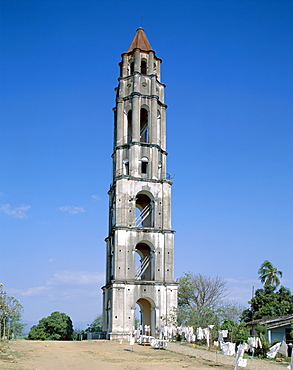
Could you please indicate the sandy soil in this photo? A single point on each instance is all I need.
(106, 355)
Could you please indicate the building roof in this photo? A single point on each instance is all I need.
(272, 322)
(140, 41)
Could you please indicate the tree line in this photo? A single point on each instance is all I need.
(202, 301)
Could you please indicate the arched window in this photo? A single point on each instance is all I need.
(143, 67)
(159, 127)
(160, 170)
(144, 262)
(144, 211)
(144, 165)
(131, 67)
(129, 126)
(144, 129)
(126, 166)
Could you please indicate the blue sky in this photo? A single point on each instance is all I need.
(228, 70)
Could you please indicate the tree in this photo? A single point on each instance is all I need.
(268, 302)
(230, 310)
(10, 316)
(268, 274)
(199, 298)
(96, 325)
(196, 291)
(236, 331)
(57, 326)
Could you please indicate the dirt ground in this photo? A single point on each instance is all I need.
(111, 355)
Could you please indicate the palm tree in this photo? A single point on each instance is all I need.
(268, 274)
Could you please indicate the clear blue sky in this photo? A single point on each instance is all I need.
(228, 70)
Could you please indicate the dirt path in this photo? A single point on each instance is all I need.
(106, 355)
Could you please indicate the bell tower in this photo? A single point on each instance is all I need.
(140, 243)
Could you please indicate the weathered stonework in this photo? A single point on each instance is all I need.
(139, 200)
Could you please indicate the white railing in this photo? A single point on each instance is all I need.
(143, 266)
(143, 215)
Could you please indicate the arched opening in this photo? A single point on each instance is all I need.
(160, 170)
(144, 165)
(144, 131)
(143, 67)
(131, 67)
(129, 126)
(144, 262)
(147, 316)
(159, 127)
(126, 166)
(144, 211)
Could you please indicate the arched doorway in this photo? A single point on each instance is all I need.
(147, 316)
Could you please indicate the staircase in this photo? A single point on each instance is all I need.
(143, 215)
(143, 266)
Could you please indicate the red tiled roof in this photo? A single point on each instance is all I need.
(140, 41)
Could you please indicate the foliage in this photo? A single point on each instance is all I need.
(200, 302)
(196, 291)
(201, 317)
(96, 325)
(57, 326)
(262, 352)
(10, 316)
(240, 333)
(229, 310)
(260, 329)
(236, 331)
(267, 303)
(268, 274)
(228, 325)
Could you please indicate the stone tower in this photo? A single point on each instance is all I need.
(140, 244)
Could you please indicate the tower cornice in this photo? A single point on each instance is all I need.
(133, 178)
(136, 93)
(140, 230)
(138, 73)
(147, 145)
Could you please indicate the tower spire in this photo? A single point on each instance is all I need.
(140, 41)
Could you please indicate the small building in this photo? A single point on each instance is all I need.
(279, 327)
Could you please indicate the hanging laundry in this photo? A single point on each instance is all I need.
(159, 343)
(239, 361)
(206, 334)
(228, 348)
(283, 349)
(131, 341)
(199, 333)
(258, 343)
(222, 334)
(254, 342)
(242, 362)
(225, 333)
(273, 350)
